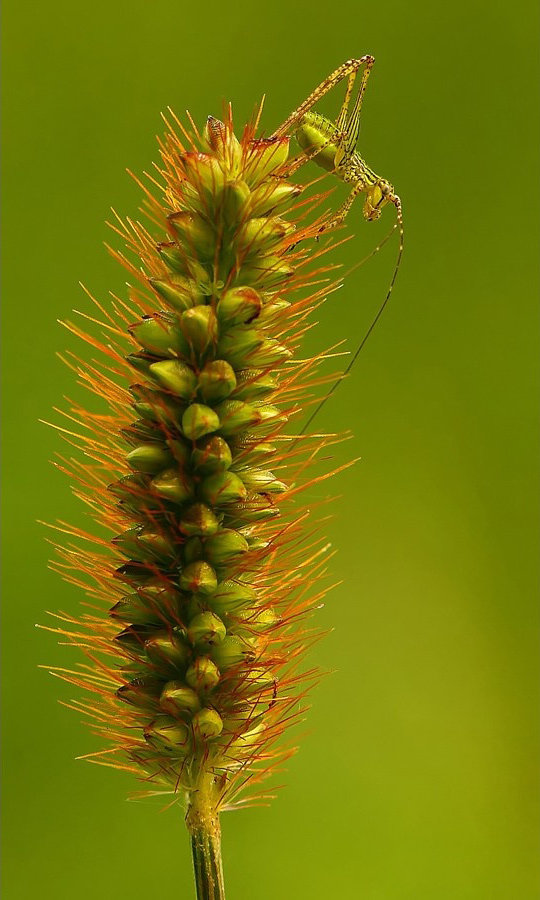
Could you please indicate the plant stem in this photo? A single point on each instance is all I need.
(202, 821)
(206, 849)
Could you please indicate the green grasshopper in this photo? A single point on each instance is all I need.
(332, 145)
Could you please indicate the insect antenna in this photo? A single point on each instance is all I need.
(399, 223)
(372, 252)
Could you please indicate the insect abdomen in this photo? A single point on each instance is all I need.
(316, 131)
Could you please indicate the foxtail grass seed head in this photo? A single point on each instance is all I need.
(204, 590)
(201, 596)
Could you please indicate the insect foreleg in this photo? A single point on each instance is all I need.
(346, 69)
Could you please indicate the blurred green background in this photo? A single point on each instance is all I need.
(417, 777)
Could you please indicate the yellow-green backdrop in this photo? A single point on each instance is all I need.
(417, 772)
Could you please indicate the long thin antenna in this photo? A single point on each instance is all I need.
(399, 212)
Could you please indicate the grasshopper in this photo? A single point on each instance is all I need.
(332, 145)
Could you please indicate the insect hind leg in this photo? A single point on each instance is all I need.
(345, 70)
(342, 118)
(351, 130)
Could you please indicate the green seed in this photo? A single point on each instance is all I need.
(195, 235)
(177, 698)
(267, 274)
(203, 174)
(203, 674)
(180, 293)
(199, 327)
(199, 420)
(237, 344)
(127, 542)
(169, 734)
(233, 201)
(156, 405)
(258, 681)
(213, 454)
(207, 723)
(166, 649)
(254, 383)
(262, 480)
(252, 451)
(149, 458)
(140, 362)
(239, 306)
(173, 486)
(236, 416)
(134, 573)
(269, 413)
(199, 577)
(261, 234)
(268, 353)
(226, 546)
(156, 545)
(174, 257)
(229, 652)
(265, 157)
(159, 335)
(206, 629)
(176, 376)
(232, 596)
(198, 520)
(216, 381)
(272, 309)
(222, 488)
(151, 604)
(247, 739)
(141, 692)
(129, 486)
(256, 509)
(273, 195)
(134, 610)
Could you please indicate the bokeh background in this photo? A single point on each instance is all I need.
(417, 777)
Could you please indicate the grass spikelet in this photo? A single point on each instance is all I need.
(208, 567)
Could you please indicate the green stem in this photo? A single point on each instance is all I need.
(202, 821)
(206, 849)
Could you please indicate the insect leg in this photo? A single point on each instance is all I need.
(342, 118)
(343, 210)
(340, 126)
(343, 71)
(352, 128)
